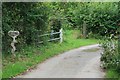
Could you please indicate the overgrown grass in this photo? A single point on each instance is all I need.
(31, 56)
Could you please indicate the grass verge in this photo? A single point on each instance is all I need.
(112, 74)
(30, 56)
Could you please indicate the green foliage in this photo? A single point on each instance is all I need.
(110, 56)
(33, 19)
(101, 18)
(26, 18)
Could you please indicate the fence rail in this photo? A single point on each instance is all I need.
(49, 34)
(53, 33)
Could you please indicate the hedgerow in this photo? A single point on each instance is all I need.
(101, 19)
(27, 18)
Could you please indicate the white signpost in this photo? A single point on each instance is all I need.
(14, 35)
(61, 35)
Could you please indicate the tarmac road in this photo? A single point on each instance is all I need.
(83, 62)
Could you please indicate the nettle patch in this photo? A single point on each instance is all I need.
(110, 58)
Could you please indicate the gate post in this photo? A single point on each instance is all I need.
(84, 31)
(61, 35)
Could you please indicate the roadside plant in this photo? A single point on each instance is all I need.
(110, 57)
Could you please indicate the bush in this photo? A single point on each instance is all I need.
(110, 56)
(101, 18)
(27, 18)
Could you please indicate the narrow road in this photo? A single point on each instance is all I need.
(83, 62)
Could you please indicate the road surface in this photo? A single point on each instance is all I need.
(83, 62)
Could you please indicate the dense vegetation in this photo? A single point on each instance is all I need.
(26, 18)
(38, 18)
(111, 57)
(101, 18)
(111, 54)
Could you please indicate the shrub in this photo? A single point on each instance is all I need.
(27, 17)
(101, 18)
(110, 57)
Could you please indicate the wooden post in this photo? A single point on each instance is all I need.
(61, 35)
(84, 30)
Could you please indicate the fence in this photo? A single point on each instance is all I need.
(60, 38)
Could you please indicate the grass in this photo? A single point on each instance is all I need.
(30, 56)
(112, 74)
